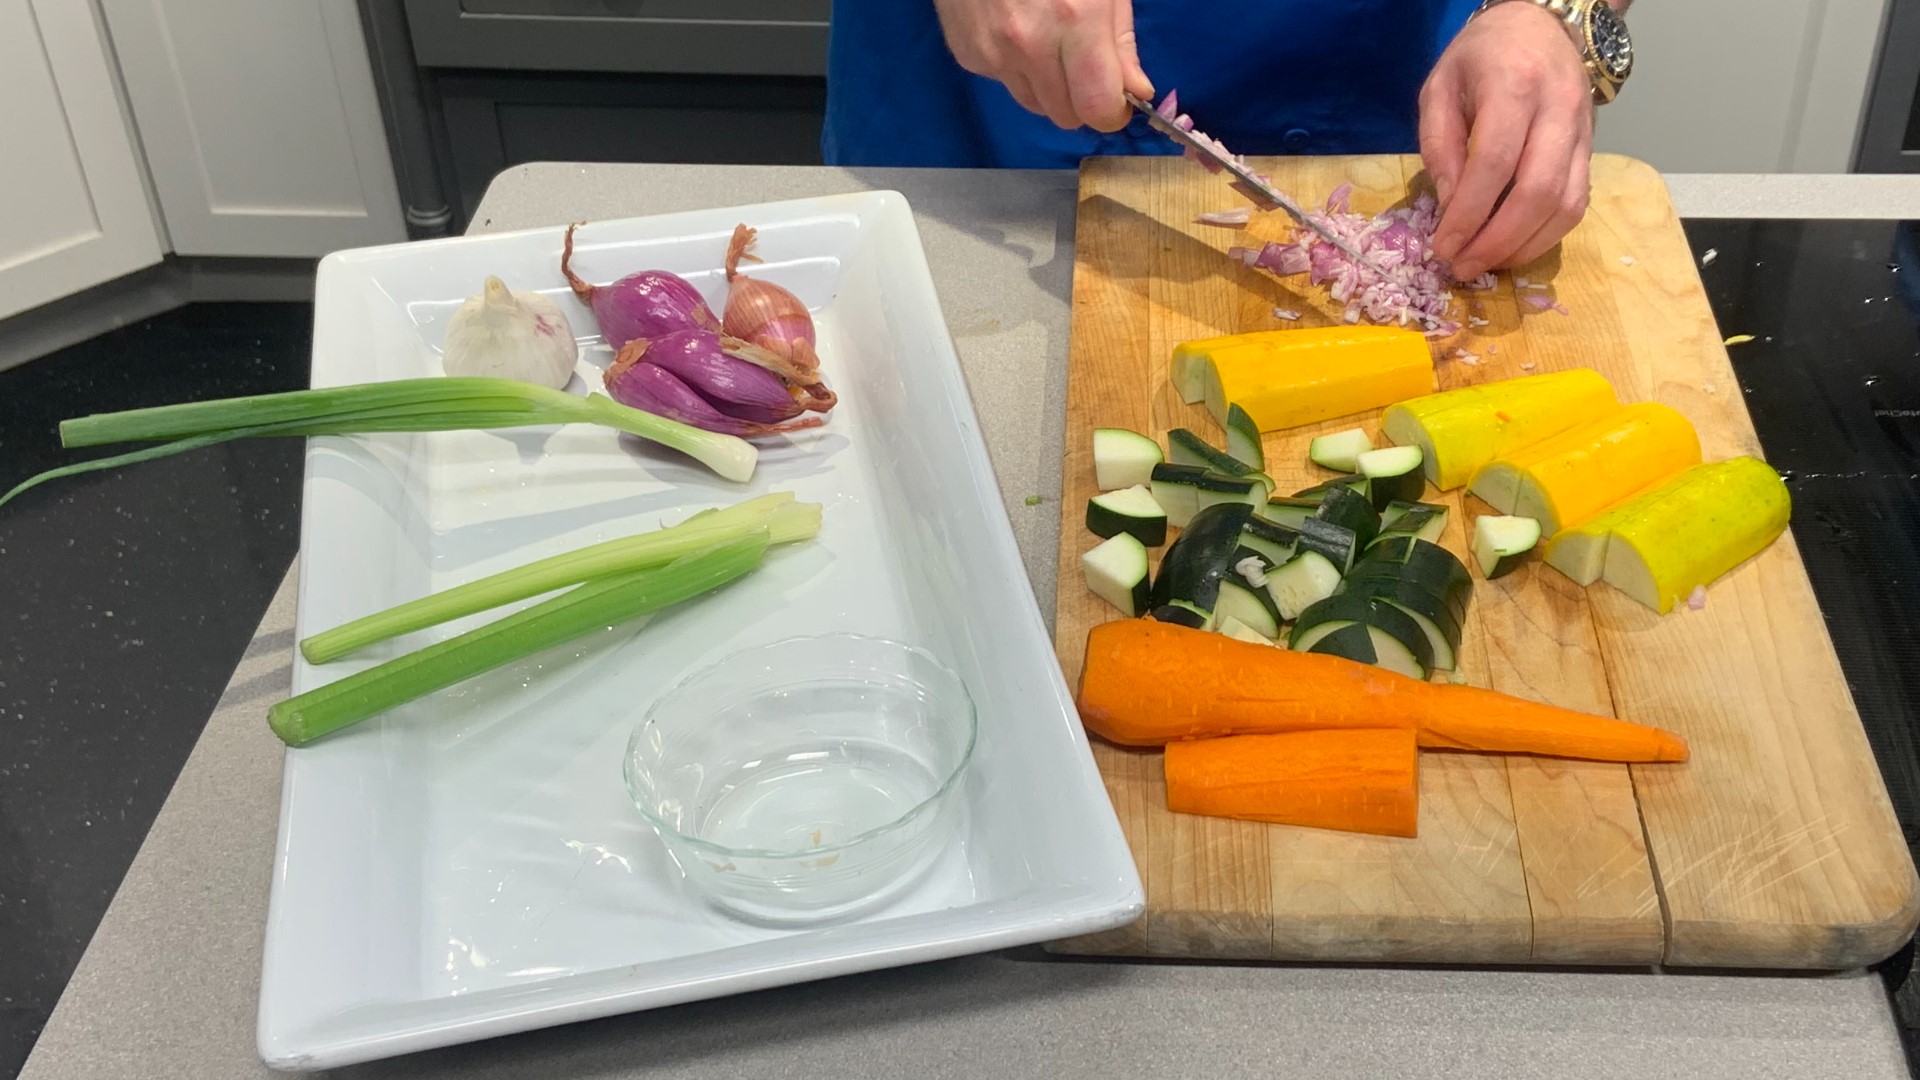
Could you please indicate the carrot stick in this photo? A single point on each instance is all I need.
(1148, 683)
(1354, 781)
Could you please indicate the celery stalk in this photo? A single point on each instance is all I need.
(785, 521)
(597, 605)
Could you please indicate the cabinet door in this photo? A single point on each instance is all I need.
(73, 209)
(261, 125)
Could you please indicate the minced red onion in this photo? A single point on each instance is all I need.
(1286, 313)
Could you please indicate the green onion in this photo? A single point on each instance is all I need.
(597, 605)
(431, 404)
(785, 521)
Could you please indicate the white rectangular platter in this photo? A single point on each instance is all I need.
(470, 865)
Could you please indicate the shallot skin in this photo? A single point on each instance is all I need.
(774, 321)
(737, 387)
(646, 303)
(650, 388)
(766, 314)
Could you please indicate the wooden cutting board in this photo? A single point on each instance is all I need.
(1776, 846)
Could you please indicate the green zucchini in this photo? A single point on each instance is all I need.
(1304, 580)
(1350, 510)
(1336, 542)
(1122, 458)
(1116, 571)
(1239, 631)
(1193, 566)
(1343, 609)
(1177, 489)
(1289, 512)
(1214, 489)
(1400, 506)
(1435, 618)
(1276, 542)
(1370, 645)
(1424, 564)
(1243, 438)
(1186, 448)
(1393, 474)
(1249, 605)
(1423, 520)
(1184, 614)
(1339, 451)
(1357, 482)
(1501, 543)
(1128, 510)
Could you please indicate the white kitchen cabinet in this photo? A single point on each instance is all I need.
(73, 210)
(261, 126)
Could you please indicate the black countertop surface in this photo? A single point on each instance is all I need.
(127, 597)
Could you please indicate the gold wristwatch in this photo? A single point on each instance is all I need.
(1601, 36)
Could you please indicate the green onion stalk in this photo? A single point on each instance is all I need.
(784, 520)
(598, 605)
(401, 405)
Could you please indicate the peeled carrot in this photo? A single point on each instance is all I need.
(1354, 781)
(1148, 683)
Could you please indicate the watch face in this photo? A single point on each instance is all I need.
(1611, 45)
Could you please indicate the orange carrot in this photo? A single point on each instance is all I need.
(1147, 683)
(1354, 781)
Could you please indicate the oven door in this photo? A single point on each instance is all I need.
(692, 37)
(1890, 136)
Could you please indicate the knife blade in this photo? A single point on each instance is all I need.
(1246, 182)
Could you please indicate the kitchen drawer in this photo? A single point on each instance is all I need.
(699, 37)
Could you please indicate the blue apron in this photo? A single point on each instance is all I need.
(1263, 76)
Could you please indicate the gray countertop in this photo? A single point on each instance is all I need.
(167, 988)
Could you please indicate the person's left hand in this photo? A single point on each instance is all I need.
(1509, 103)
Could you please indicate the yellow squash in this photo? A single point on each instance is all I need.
(1567, 479)
(1285, 378)
(1461, 430)
(1660, 545)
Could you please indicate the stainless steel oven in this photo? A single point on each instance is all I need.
(1890, 135)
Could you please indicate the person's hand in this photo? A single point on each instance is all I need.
(1067, 60)
(1509, 103)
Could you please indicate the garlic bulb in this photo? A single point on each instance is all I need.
(511, 335)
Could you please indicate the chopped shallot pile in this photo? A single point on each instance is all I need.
(1398, 241)
(1414, 286)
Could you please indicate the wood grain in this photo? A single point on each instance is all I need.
(1775, 846)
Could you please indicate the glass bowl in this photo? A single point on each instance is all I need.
(806, 779)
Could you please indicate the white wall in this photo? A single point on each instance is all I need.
(1745, 85)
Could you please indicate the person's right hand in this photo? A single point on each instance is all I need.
(1067, 60)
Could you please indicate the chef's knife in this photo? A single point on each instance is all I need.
(1263, 194)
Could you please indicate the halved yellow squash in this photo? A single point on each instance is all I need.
(1567, 479)
(1285, 378)
(1461, 430)
(1686, 532)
